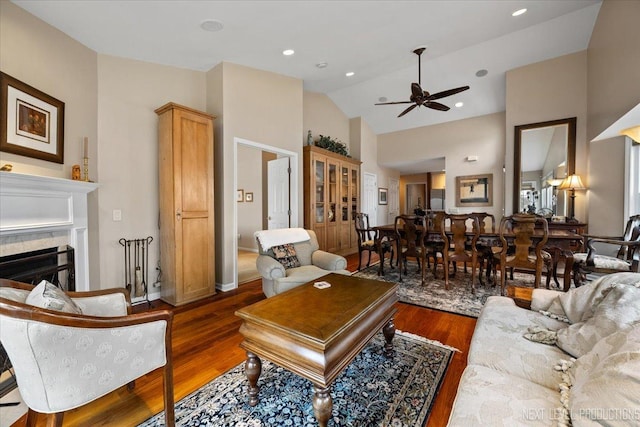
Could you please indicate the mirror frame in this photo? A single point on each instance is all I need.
(517, 167)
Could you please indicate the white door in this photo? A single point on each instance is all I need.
(370, 197)
(394, 199)
(278, 193)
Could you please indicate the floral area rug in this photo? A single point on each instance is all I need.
(458, 299)
(372, 391)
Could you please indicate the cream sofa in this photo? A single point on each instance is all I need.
(511, 380)
(314, 263)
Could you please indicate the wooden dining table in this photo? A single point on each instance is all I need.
(559, 243)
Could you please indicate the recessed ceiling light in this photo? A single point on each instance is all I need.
(212, 25)
(382, 99)
(350, 74)
(459, 104)
(322, 65)
(519, 12)
(481, 73)
(288, 52)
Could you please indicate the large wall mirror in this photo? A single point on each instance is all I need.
(544, 154)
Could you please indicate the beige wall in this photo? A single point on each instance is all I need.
(323, 117)
(250, 180)
(49, 60)
(364, 146)
(257, 106)
(549, 90)
(128, 153)
(613, 88)
(481, 136)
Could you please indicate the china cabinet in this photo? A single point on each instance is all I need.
(331, 198)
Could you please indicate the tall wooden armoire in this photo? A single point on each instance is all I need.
(187, 245)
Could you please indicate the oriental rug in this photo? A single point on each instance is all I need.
(372, 391)
(458, 299)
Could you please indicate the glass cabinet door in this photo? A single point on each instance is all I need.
(355, 189)
(333, 191)
(344, 193)
(319, 191)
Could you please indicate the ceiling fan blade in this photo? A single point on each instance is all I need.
(391, 103)
(407, 110)
(446, 93)
(436, 106)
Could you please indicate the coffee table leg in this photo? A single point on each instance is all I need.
(322, 404)
(389, 330)
(253, 368)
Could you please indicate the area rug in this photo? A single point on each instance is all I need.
(372, 391)
(458, 299)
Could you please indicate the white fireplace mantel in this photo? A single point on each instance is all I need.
(34, 206)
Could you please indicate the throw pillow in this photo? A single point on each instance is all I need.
(605, 383)
(47, 295)
(286, 255)
(579, 303)
(619, 310)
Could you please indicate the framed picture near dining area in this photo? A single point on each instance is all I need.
(382, 196)
(31, 122)
(474, 190)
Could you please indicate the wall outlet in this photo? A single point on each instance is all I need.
(117, 215)
(239, 236)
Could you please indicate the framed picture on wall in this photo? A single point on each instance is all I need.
(240, 196)
(382, 196)
(31, 122)
(474, 190)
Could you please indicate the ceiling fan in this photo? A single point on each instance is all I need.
(423, 98)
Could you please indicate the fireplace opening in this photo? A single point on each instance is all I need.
(55, 265)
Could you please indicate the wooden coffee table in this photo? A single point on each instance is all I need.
(316, 333)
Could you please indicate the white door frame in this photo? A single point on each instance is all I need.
(294, 195)
(373, 216)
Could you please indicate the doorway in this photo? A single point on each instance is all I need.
(251, 184)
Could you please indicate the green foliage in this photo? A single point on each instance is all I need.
(331, 144)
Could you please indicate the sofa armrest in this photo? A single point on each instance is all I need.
(541, 299)
(328, 261)
(269, 268)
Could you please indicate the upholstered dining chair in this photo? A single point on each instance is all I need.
(434, 224)
(84, 346)
(627, 256)
(410, 232)
(528, 253)
(456, 230)
(485, 252)
(368, 240)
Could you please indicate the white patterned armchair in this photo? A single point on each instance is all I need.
(63, 360)
(290, 257)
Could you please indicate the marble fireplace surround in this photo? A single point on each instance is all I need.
(39, 212)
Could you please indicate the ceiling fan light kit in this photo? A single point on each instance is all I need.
(422, 98)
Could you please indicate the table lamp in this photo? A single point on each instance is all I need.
(573, 183)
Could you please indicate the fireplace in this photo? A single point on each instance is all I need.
(55, 265)
(38, 213)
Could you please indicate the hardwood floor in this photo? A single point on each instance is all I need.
(206, 344)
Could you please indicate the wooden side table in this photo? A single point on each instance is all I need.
(520, 295)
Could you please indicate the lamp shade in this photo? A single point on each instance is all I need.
(572, 182)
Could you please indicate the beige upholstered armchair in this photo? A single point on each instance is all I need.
(290, 257)
(85, 345)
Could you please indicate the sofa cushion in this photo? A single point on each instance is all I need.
(487, 397)
(619, 310)
(286, 255)
(498, 342)
(578, 303)
(47, 295)
(606, 381)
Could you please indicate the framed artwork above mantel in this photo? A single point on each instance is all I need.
(31, 122)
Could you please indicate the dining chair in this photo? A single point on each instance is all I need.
(455, 231)
(435, 247)
(82, 347)
(410, 232)
(517, 231)
(627, 256)
(485, 252)
(368, 240)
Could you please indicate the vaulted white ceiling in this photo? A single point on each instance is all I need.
(373, 39)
